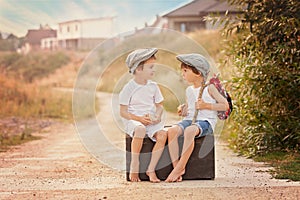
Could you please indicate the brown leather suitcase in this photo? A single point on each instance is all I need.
(201, 164)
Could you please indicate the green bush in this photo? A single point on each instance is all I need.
(34, 65)
(265, 86)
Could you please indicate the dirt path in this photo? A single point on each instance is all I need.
(59, 167)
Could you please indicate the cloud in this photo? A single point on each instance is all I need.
(18, 16)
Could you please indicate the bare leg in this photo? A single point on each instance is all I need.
(136, 146)
(187, 149)
(161, 138)
(173, 134)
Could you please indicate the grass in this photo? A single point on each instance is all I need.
(26, 100)
(32, 66)
(20, 99)
(6, 142)
(286, 164)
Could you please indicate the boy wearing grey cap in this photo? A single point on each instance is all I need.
(195, 69)
(141, 110)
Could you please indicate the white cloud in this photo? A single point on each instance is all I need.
(19, 19)
(18, 16)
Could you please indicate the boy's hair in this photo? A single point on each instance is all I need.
(194, 70)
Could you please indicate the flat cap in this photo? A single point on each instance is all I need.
(195, 60)
(137, 56)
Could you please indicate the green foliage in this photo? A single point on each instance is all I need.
(265, 86)
(34, 65)
(287, 165)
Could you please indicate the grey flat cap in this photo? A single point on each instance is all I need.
(137, 56)
(195, 60)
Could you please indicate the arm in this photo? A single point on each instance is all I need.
(159, 110)
(221, 105)
(125, 114)
(182, 109)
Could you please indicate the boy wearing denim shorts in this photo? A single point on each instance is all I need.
(195, 70)
(141, 110)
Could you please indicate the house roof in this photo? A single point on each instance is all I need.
(34, 37)
(91, 19)
(201, 7)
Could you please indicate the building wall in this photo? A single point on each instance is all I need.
(97, 28)
(186, 24)
(49, 43)
(85, 44)
(193, 23)
(84, 34)
(69, 30)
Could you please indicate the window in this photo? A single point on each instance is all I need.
(182, 27)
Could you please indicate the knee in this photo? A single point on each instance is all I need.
(190, 132)
(161, 136)
(139, 132)
(173, 132)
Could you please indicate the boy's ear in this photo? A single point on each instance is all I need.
(139, 68)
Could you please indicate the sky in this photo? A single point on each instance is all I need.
(17, 16)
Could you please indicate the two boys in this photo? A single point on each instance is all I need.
(141, 110)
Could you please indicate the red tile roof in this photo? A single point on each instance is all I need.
(34, 37)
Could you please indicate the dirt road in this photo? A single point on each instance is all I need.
(58, 166)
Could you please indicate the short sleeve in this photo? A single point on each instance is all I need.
(158, 97)
(124, 96)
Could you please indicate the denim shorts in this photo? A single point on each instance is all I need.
(203, 125)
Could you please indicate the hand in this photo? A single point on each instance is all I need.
(182, 110)
(145, 120)
(201, 105)
(155, 119)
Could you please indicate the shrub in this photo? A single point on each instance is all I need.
(266, 56)
(34, 65)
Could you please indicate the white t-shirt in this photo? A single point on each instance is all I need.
(192, 96)
(140, 99)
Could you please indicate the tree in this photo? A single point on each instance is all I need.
(266, 54)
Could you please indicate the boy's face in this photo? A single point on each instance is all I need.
(189, 75)
(148, 69)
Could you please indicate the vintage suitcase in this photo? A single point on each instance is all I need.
(201, 164)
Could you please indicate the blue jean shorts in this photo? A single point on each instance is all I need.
(203, 125)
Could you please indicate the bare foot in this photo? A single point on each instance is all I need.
(152, 176)
(179, 179)
(175, 175)
(134, 172)
(134, 177)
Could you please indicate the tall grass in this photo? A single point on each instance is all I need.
(32, 66)
(23, 104)
(29, 101)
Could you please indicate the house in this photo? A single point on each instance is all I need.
(190, 17)
(9, 42)
(49, 43)
(34, 37)
(85, 33)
